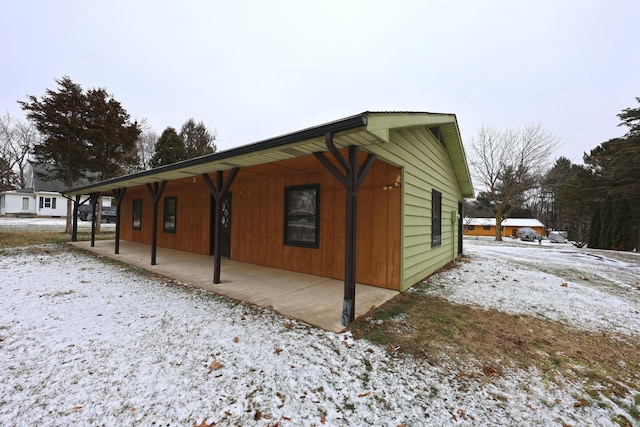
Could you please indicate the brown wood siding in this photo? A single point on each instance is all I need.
(257, 234)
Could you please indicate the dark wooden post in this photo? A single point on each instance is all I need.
(218, 191)
(119, 195)
(351, 180)
(94, 202)
(156, 191)
(74, 226)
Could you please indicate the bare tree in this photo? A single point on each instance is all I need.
(507, 165)
(16, 140)
(145, 145)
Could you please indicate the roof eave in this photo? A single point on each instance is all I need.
(348, 123)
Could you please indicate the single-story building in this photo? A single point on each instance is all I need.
(30, 202)
(487, 226)
(374, 198)
(42, 197)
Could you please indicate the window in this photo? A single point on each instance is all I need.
(137, 214)
(47, 202)
(170, 214)
(471, 227)
(25, 203)
(436, 218)
(486, 227)
(301, 210)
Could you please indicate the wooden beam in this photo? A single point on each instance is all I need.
(94, 202)
(155, 190)
(74, 226)
(351, 180)
(218, 191)
(118, 193)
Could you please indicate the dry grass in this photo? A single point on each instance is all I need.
(431, 327)
(10, 239)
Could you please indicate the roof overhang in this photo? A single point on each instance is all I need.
(360, 130)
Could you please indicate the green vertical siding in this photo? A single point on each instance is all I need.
(426, 166)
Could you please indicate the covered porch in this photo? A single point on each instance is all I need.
(313, 299)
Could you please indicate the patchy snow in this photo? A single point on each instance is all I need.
(84, 342)
(46, 224)
(586, 288)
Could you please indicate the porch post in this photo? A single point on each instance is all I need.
(155, 190)
(351, 180)
(218, 191)
(74, 226)
(94, 202)
(119, 195)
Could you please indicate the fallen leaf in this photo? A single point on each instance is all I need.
(277, 350)
(346, 344)
(214, 366)
(323, 419)
(203, 423)
(258, 415)
(580, 403)
(564, 285)
(287, 325)
(235, 339)
(364, 394)
(75, 408)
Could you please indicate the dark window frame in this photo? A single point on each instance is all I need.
(169, 225)
(436, 218)
(471, 227)
(486, 227)
(290, 240)
(136, 214)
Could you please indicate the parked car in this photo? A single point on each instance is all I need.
(527, 234)
(84, 212)
(107, 215)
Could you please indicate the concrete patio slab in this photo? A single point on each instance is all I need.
(313, 299)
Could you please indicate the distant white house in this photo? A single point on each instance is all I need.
(487, 226)
(30, 202)
(40, 198)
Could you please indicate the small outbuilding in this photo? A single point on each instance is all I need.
(487, 226)
(374, 198)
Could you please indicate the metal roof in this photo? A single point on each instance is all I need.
(360, 130)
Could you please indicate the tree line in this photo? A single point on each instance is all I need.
(78, 133)
(75, 133)
(597, 202)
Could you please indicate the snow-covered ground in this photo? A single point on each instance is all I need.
(84, 342)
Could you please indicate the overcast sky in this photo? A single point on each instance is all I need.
(257, 69)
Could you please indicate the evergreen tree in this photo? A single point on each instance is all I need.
(82, 133)
(606, 222)
(169, 149)
(595, 230)
(621, 235)
(112, 136)
(631, 118)
(197, 139)
(60, 116)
